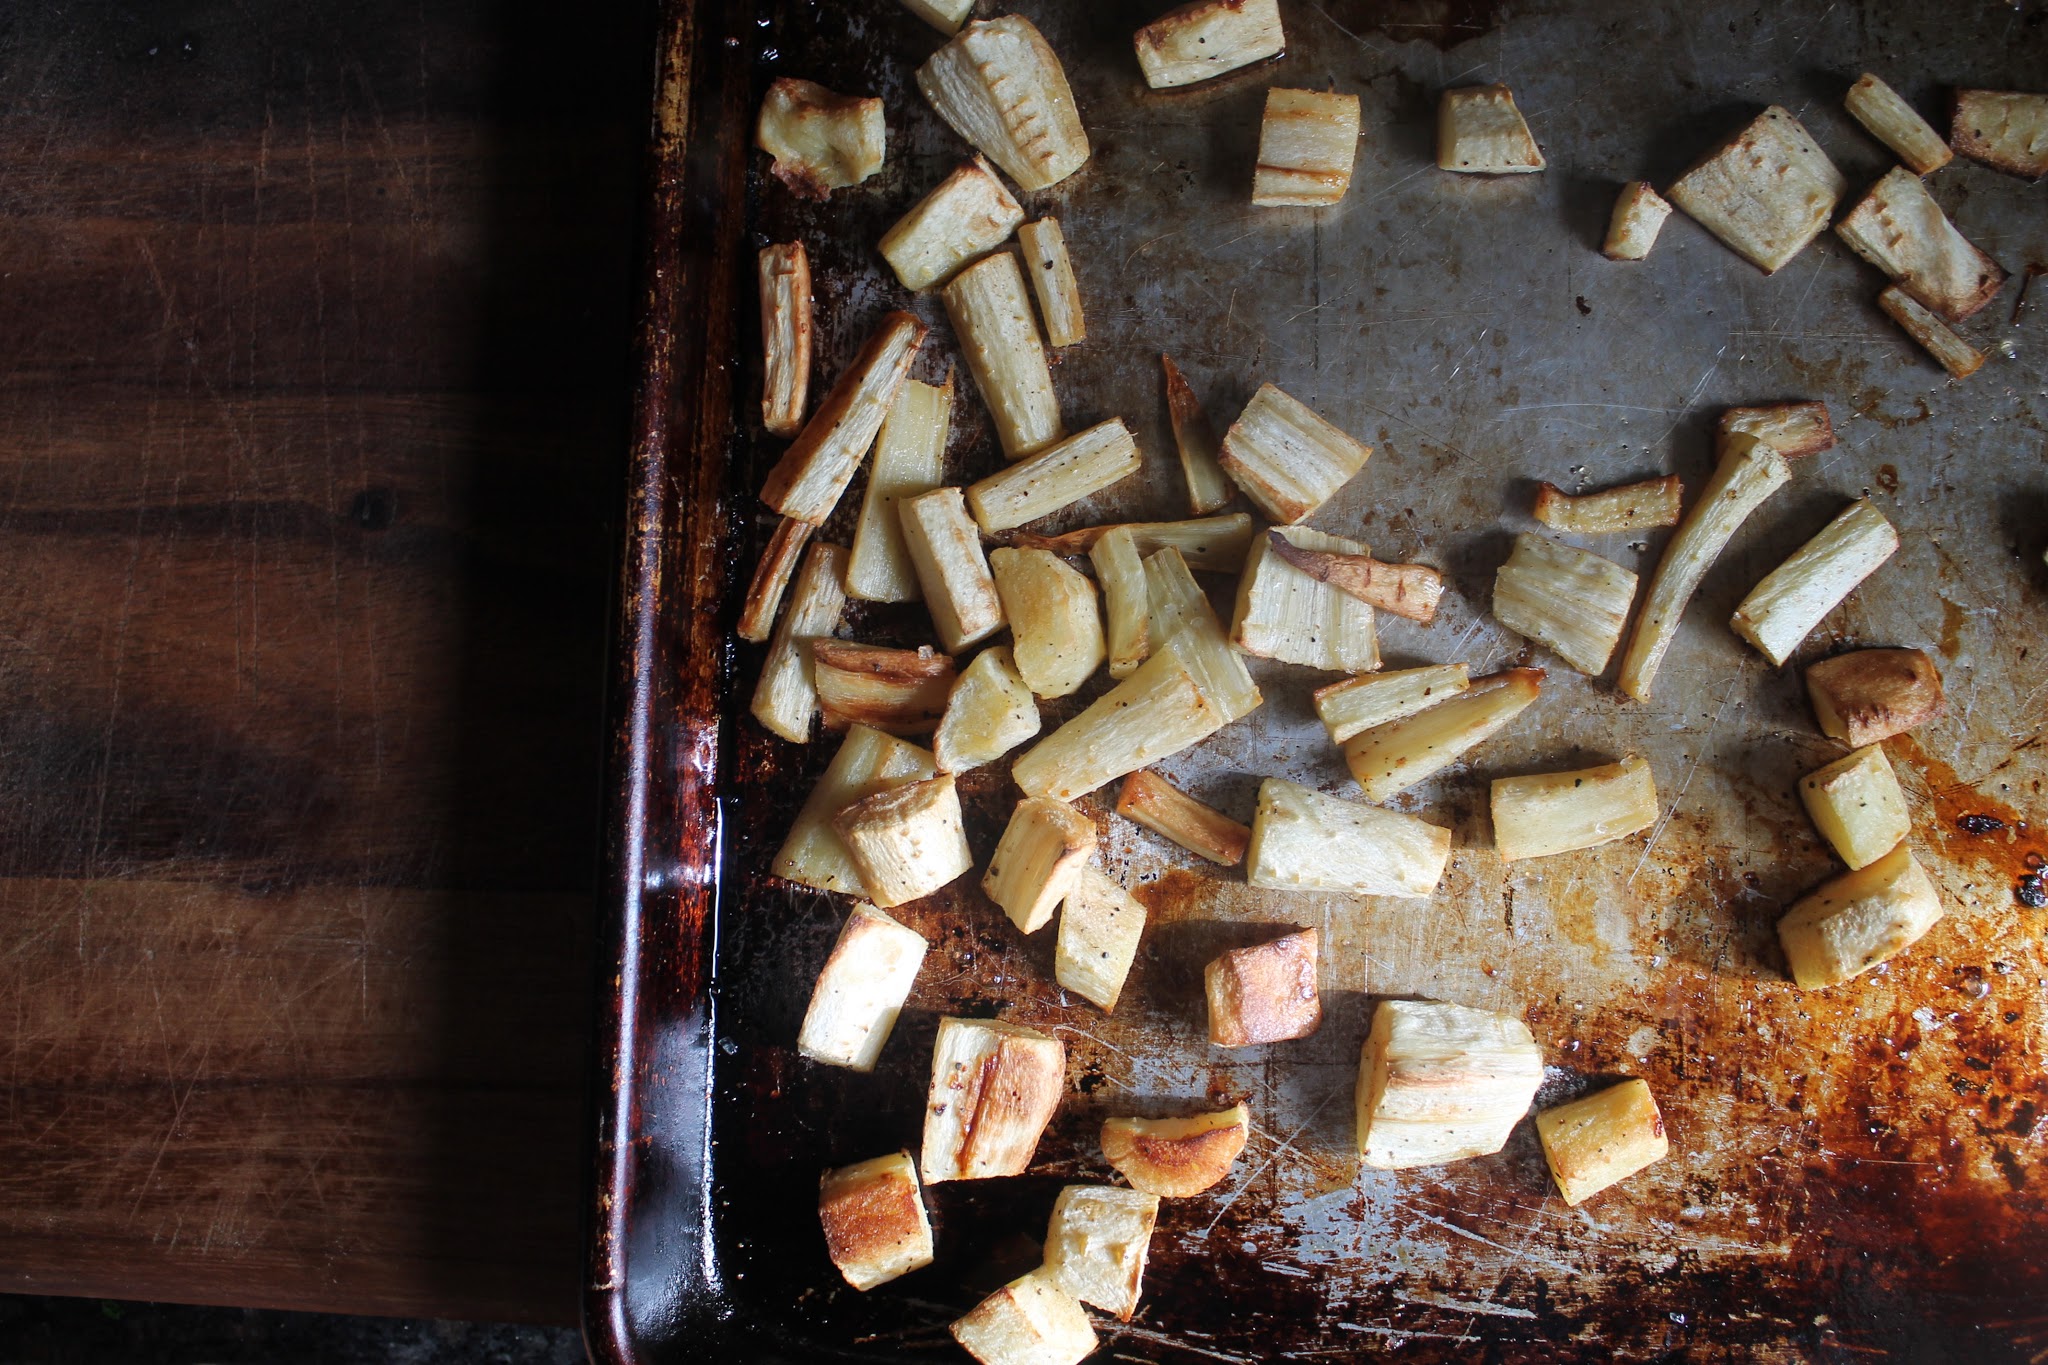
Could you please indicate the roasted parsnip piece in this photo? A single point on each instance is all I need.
(1100, 925)
(1859, 919)
(1390, 758)
(1568, 599)
(1126, 606)
(2004, 129)
(1194, 436)
(861, 989)
(874, 1219)
(1095, 1246)
(1794, 430)
(1749, 472)
(993, 323)
(1408, 590)
(1639, 214)
(910, 459)
(1176, 1158)
(1307, 143)
(1265, 993)
(771, 578)
(785, 271)
(906, 842)
(1303, 840)
(1439, 1082)
(902, 691)
(1052, 280)
(1956, 355)
(1901, 230)
(1286, 459)
(989, 713)
(821, 141)
(944, 15)
(1870, 695)
(1765, 193)
(994, 1087)
(1857, 806)
(1288, 613)
(1547, 813)
(1479, 131)
(1180, 607)
(1055, 626)
(1641, 506)
(807, 481)
(1206, 39)
(1041, 852)
(868, 761)
(1209, 544)
(970, 214)
(1792, 599)
(1000, 86)
(1358, 704)
(786, 697)
(1165, 809)
(1175, 598)
(1029, 1321)
(1602, 1139)
(952, 573)
(1897, 125)
(1086, 462)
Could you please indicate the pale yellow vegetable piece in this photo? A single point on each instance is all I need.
(771, 578)
(952, 573)
(868, 761)
(1546, 813)
(1176, 1158)
(1358, 704)
(821, 141)
(990, 712)
(1394, 756)
(1287, 459)
(1859, 919)
(785, 284)
(1096, 1245)
(1439, 1082)
(994, 1087)
(1208, 544)
(906, 842)
(1955, 355)
(1783, 609)
(807, 481)
(861, 990)
(1126, 601)
(1042, 851)
(1286, 614)
(1602, 1139)
(999, 84)
(1165, 809)
(1084, 463)
(1029, 1321)
(786, 697)
(1898, 228)
(874, 1219)
(992, 321)
(1857, 806)
(1052, 279)
(944, 15)
(970, 214)
(1479, 131)
(1303, 840)
(1194, 438)
(1208, 38)
(1895, 123)
(1055, 625)
(910, 459)
(902, 691)
(2004, 129)
(1766, 192)
(1100, 925)
(1870, 695)
(1639, 214)
(1306, 146)
(1568, 599)
(1265, 993)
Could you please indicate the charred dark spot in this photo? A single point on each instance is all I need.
(2031, 892)
(1585, 309)
(1981, 824)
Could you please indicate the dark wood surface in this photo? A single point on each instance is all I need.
(313, 396)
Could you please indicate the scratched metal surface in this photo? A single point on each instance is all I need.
(1854, 1171)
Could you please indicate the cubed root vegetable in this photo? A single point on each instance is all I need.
(1602, 1139)
(1287, 459)
(1898, 228)
(1639, 214)
(1208, 38)
(1029, 1321)
(1042, 851)
(1096, 1244)
(874, 1220)
(1548, 813)
(969, 214)
(1306, 146)
(1000, 86)
(1479, 131)
(1392, 757)
(1857, 806)
(994, 1087)
(1766, 192)
(1303, 840)
(1439, 1082)
(1897, 125)
(1872, 694)
(906, 842)
(860, 990)
(1265, 993)
(1858, 920)
(2004, 129)
(821, 141)
(1782, 611)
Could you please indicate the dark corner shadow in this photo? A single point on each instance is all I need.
(1678, 146)
(1587, 205)
(2023, 525)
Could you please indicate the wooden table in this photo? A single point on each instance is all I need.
(313, 386)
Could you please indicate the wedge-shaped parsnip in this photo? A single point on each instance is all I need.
(1406, 590)
(1052, 280)
(1000, 86)
(1857, 806)
(2004, 129)
(1100, 925)
(1794, 430)
(902, 691)
(1479, 131)
(1176, 1158)
(1390, 758)
(1176, 599)
(1180, 607)
(952, 573)
(1086, 462)
(1765, 193)
(786, 697)
(874, 1219)
(1286, 459)
(1042, 851)
(1859, 919)
(994, 1087)
(1956, 355)
(1126, 605)
(868, 761)
(1208, 544)
(1780, 611)
(821, 141)
(1029, 1321)
(1358, 704)
(807, 481)
(1265, 993)
(785, 273)
(1641, 506)
(771, 578)
(1165, 809)
(910, 459)
(1901, 230)
(1895, 123)
(1870, 695)
(1749, 472)
(993, 323)
(1096, 1245)
(970, 214)
(989, 713)
(861, 989)
(1570, 600)
(944, 15)
(906, 842)
(1206, 39)
(1055, 624)
(1307, 142)
(1547, 813)
(1303, 840)
(1602, 1139)
(1439, 1082)
(1194, 437)
(1639, 214)
(1285, 613)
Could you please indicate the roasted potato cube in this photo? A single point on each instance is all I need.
(874, 1218)
(1000, 86)
(1029, 1321)
(1899, 228)
(1306, 146)
(1765, 193)
(1439, 1082)
(2004, 129)
(1303, 840)
(1100, 925)
(1265, 993)
(994, 1088)
(1897, 125)
(1287, 459)
(1054, 622)
(1547, 813)
(863, 985)
(1208, 38)
(1042, 851)
(1479, 131)
(821, 141)
(1096, 1245)
(1783, 609)
(1858, 920)
(970, 214)
(906, 842)
(989, 712)
(1639, 214)
(1857, 806)
(1176, 1158)
(1870, 695)
(1602, 1139)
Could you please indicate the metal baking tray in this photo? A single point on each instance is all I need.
(1855, 1172)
